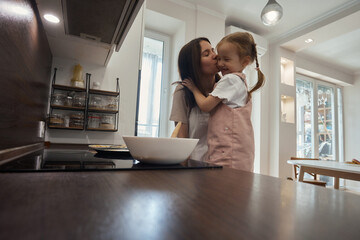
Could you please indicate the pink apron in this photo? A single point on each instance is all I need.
(231, 137)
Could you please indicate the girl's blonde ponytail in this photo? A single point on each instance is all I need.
(261, 78)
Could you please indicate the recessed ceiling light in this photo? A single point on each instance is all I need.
(309, 40)
(51, 18)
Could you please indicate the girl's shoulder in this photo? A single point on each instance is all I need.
(236, 75)
(231, 79)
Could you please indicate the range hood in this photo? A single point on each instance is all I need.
(106, 21)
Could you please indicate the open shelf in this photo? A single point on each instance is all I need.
(68, 128)
(68, 88)
(102, 92)
(101, 129)
(287, 109)
(75, 106)
(287, 72)
(99, 110)
(72, 108)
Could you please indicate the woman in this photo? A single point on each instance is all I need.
(197, 61)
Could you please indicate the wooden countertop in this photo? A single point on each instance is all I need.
(172, 204)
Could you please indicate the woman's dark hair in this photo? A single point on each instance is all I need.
(189, 65)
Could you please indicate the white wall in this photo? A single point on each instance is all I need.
(181, 12)
(199, 21)
(209, 24)
(322, 71)
(352, 125)
(282, 135)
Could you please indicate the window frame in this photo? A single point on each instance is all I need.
(165, 85)
(336, 128)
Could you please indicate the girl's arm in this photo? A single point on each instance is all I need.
(206, 104)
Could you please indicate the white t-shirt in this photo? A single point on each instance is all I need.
(195, 118)
(232, 90)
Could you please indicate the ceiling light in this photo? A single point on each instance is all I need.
(51, 18)
(272, 13)
(309, 40)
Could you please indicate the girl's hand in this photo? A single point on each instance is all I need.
(189, 84)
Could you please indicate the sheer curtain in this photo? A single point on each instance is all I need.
(150, 91)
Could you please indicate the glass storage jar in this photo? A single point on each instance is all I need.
(69, 101)
(79, 100)
(111, 103)
(93, 121)
(58, 99)
(56, 120)
(107, 122)
(76, 120)
(95, 102)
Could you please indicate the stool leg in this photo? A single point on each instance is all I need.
(336, 182)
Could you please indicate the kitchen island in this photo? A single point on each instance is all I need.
(172, 204)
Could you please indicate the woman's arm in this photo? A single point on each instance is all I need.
(179, 112)
(206, 104)
(184, 130)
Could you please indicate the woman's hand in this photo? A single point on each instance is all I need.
(189, 84)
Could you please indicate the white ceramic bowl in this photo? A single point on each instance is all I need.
(160, 150)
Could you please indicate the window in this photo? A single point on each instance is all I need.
(319, 120)
(304, 121)
(152, 93)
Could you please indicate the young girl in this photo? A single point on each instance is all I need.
(230, 134)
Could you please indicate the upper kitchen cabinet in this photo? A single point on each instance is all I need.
(89, 30)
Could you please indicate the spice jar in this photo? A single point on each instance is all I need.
(58, 99)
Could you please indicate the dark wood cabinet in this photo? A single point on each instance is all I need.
(106, 21)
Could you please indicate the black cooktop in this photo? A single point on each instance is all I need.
(84, 160)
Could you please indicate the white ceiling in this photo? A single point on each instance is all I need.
(333, 24)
